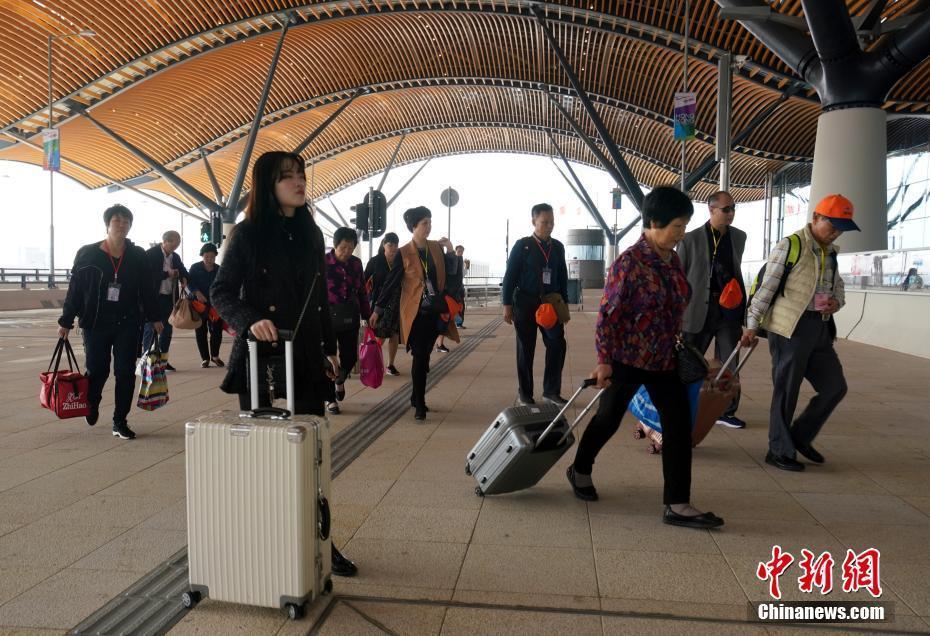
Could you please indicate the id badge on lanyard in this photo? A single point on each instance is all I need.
(113, 292)
(547, 276)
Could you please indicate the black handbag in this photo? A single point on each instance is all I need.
(433, 304)
(344, 316)
(389, 321)
(691, 363)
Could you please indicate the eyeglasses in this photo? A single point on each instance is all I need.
(727, 209)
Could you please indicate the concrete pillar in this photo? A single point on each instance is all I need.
(850, 158)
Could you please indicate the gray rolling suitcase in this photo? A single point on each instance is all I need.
(258, 520)
(522, 444)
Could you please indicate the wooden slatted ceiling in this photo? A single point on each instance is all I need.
(617, 67)
(169, 109)
(435, 107)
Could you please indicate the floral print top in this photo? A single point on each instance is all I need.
(641, 311)
(345, 283)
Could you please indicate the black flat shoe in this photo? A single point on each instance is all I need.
(810, 453)
(420, 414)
(413, 406)
(92, 416)
(586, 493)
(168, 367)
(703, 521)
(343, 566)
(783, 463)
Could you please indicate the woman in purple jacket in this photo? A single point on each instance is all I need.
(348, 303)
(639, 319)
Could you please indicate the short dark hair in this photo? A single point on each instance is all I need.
(116, 210)
(413, 216)
(390, 237)
(664, 204)
(345, 234)
(208, 247)
(539, 208)
(460, 247)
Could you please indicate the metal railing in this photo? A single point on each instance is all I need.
(23, 276)
(483, 291)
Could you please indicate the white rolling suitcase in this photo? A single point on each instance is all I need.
(258, 520)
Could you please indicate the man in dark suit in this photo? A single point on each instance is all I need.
(167, 272)
(712, 256)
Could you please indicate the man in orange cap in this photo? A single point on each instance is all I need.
(797, 311)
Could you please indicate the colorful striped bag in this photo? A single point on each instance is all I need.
(153, 392)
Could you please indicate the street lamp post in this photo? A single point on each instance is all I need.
(51, 173)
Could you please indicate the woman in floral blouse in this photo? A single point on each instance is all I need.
(639, 318)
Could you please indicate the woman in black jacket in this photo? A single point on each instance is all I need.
(376, 272)
(110, 282)
(200, 278)
(273, 267)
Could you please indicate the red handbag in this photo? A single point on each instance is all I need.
(66, 393)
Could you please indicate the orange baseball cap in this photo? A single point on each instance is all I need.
(839, 210)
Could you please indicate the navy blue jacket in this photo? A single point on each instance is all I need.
(525, 266)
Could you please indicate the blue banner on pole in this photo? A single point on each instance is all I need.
(52, 149)
(685, 108)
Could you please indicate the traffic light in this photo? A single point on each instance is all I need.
(205, 232)
(361, 216)
(217, 233)
(377, 213)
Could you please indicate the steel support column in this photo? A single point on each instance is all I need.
(585, 197)
(391, 162)
(571, 185)
(724, 110)
(408, 182)
(177, 182)
(229, 213)
(338, 213)
(333, 117)
(767, 223)
(627, 229)
(590, 143)
(217, 192)
(629, 180)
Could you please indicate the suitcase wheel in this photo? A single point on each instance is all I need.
(295, 612)
(189, 599)
(468, 469)
(478, 491)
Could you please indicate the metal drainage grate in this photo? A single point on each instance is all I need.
(152, 605)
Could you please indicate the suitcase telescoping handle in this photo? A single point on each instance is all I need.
(271, 412)
(729, 361)
(584, 385)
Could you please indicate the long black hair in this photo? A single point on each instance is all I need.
(263, 209)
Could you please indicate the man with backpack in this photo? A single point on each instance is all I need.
(712, 257)
(798, 291)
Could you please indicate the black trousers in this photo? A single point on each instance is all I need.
(554, 340)
(420, 342)
(725, 334)
(347, 350)
(671, 400)
(165, 306)
(118, 340)
(807, 355)
(216, 337)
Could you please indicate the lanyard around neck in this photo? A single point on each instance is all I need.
(116, 264)
(545, 253)
(716, 240)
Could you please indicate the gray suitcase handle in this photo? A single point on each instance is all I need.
(584, 385)
(288, 337)
(736, 351)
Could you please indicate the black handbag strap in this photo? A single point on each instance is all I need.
(63, 347)
(303, 311)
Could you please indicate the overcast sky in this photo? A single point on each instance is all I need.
(492, 189)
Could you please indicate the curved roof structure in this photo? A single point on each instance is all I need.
(180, 80)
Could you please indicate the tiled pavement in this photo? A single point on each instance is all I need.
(84, 515)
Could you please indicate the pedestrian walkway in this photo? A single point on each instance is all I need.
(83, 516)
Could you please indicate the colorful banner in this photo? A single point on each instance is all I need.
(52, 147)
(685, 107)
(616, 198)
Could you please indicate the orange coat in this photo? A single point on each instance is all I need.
(412, 286)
